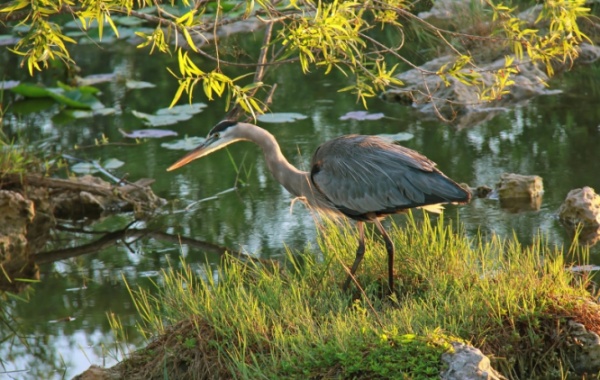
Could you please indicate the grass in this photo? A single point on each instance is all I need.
(293, 321)
(21, 159)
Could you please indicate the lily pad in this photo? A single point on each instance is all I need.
(75, 34)
(29, 106)
(84, 168)
(8, 84)
(191, 109)
(84, 89)
(225, 6)
(402, 136)
(97, 78)
(148, 133)
(281, 117)
(128, 21)
(105, 111)
(91, 167)
(168, 116)
(187, 143)
(8, 39)
(29, 90)
(161, 120)
(136, 84)
(362, 115)
(74, 97)
(76, 24)
(83, 114)
(112, 163)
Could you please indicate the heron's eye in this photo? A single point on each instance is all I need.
(217, 135)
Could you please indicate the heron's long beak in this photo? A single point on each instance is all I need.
(202, 150)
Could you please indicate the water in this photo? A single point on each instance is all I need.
(555, 137)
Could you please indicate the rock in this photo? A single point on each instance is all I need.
(460, 104)
(448, 9)
(468, 363)
(582, 206)
(479, 191)
(585, 351)
(16, 213)
(589, 235)
(39, 230)
(519, 186)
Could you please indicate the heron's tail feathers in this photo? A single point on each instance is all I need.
(437, 208)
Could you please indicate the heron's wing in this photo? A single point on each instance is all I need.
(366, 174)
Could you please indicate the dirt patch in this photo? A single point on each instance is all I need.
(187, 350)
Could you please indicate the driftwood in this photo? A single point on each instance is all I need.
(101, 188)
(84, 197)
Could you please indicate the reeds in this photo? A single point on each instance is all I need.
(247, 320)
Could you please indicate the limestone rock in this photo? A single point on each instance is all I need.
(16, 213)
(519, 186)
(582, 206)
(458, 103)
(585, 352)
(479, 191)
(468, 363)
(448, 9)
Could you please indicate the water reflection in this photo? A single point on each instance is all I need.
(517, 205)
(555, 137)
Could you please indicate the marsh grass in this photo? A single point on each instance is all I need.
(15, 159)
(293, 320)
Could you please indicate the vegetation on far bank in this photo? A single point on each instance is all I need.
(365, 40)
(251, 320)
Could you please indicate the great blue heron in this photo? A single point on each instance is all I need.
(361, 177)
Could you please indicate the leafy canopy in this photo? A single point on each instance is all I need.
(348, 36)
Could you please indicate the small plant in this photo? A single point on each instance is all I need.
(16, 159)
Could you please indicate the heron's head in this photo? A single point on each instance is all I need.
(222, 134)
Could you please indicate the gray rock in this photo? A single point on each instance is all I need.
(585, 351)
(449, 9)
(582, 206)
(513, 185)
(16, 214)
(468, 363)
(458, 103)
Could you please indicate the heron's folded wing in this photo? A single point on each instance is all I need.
(365, 174)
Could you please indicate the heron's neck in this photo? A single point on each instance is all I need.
(288, 175)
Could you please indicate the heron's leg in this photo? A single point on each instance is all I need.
(360, 253)
(389, 245)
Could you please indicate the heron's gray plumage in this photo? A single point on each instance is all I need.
(361, 177)
(367, 176)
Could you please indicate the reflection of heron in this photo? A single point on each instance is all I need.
(362, 177)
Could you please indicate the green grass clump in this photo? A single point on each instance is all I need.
(266, 321)
(16, 159)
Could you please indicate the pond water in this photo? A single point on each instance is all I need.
(556, 137)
